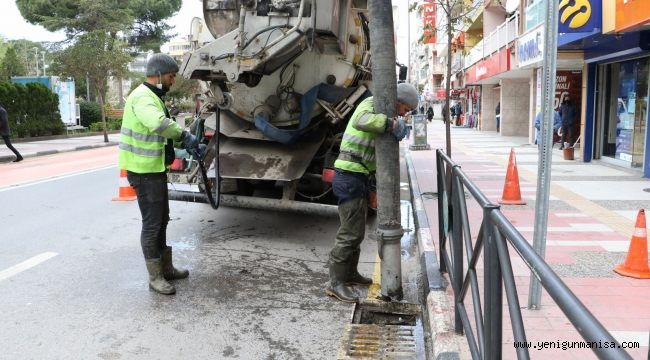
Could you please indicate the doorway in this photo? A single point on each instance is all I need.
(623, 111)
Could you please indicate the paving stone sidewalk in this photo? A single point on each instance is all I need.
(40, 147)
(592, 210)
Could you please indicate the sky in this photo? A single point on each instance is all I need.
(13, 26)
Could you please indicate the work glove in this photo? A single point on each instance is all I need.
(400, 130)
(189, 142)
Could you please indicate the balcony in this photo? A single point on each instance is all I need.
(505, 33)
(535, 15)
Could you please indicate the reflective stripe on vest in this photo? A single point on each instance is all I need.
(357, 144)
(141, 149)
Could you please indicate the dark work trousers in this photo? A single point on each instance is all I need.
(11, 147)
(351, 189)
(151, 190)
(567, 134)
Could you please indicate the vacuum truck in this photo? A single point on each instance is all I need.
(279, 82)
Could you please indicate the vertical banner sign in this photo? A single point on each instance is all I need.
(429, 17)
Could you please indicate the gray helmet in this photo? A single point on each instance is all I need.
(160, 64)
(406, 94)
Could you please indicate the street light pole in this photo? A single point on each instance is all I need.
(43, 54)
(36, 58)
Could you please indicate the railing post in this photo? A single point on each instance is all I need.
(493, 289)
(442, 195)
(457, 248)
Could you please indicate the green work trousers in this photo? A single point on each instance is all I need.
(352, 214)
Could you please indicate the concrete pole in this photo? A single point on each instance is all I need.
(389, 229)
(408, 37)
(546, 143)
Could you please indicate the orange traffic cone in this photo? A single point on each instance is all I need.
(636, 262)
(126, 192)
(511, 193)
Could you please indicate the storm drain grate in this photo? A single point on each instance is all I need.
(370, 341)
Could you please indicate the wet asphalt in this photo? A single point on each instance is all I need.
(255, 289)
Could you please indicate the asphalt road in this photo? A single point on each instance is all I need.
(74, 284)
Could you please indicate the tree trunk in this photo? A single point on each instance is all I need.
(448, 82)
(100, 95)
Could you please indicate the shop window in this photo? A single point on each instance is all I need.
(625, 110)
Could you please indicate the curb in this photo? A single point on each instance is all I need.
(10, 158)
(444, 340)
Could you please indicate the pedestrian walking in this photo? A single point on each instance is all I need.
(568, 116)
(497, 115)
(147, 135)
(5, 133)
(356, 162)
(430, 113)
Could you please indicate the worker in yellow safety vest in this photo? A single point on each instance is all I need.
(145, 151)
(356, 162)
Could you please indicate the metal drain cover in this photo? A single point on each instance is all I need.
(370, 341)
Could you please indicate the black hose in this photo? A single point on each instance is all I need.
(213, 198)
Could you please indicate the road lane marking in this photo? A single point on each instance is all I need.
(26, 265)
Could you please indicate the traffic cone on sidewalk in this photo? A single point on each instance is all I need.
(636, 262)
(511, 192)
(126, 192)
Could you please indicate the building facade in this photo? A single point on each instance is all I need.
(603, 62)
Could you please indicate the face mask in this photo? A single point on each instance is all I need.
(159, 85)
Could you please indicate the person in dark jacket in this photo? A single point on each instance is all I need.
(4, 132)
(568, 116)
(430, 113)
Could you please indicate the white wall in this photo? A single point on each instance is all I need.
(515, 107)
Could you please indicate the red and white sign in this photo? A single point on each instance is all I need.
(429, 18)
(490, 66)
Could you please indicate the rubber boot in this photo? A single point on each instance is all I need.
(354, 278)
(169, 271)
(337, 287)
(156, 280)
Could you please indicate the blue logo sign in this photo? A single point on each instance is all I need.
(577, 16)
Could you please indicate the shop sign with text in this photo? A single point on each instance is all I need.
(429, 18)
(492, 65)
(530, 47)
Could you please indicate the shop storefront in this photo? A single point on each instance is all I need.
(622, 111)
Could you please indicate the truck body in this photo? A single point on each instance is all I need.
(280, 81)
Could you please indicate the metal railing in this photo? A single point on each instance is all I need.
(485, 342)
(505, 33)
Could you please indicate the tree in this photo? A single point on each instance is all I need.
(456, 13)
(95, 55)
(142, 21)
(11, 65)
(100, 32)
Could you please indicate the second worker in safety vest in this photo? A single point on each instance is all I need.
(146, 128)
(354, 165)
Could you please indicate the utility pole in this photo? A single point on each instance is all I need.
(546, 138)
(408, 36)
(389, 228)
